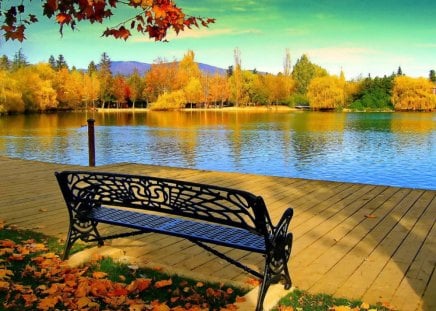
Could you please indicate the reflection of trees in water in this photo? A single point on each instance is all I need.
(315, 135)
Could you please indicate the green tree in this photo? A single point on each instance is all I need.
(52, 62)
(304, 71)
(400, 71)
(19, 60)
(61, 63)
(374, 94)
(432, 75)
(92, 68)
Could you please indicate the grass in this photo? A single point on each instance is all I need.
(300, 300)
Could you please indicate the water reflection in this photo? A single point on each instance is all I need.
(380, 148)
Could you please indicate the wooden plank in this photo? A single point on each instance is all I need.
(377, 248)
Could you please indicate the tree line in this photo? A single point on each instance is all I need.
(53, 85)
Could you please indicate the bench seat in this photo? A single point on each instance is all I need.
(183, 228)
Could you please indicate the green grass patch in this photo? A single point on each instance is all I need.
(301, 300)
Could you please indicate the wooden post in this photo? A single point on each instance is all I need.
(91, 142)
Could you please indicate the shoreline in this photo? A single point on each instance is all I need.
(223, 109)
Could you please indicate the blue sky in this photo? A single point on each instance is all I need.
(361, 37)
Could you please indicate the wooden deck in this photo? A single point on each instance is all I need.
(358, 241)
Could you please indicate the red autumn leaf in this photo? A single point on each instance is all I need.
(63, 18)
(159, 12)
(7, 243)
(118, 292)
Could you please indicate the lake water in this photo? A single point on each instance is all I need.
(397, 149)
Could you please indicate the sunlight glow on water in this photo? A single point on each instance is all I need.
(397, 149)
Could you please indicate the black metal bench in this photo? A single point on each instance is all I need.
(203, 214)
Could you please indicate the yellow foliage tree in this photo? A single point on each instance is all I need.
(219, 89)
(10, 94)
(169, 101)
(413, 94)
(326, 93)
(38, 94)
(193, 91)
(187, 69)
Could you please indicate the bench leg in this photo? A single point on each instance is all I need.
(85, 231)
(276, 267)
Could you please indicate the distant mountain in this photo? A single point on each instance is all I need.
(126, 68)
(211, 69)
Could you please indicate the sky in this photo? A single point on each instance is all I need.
(359, 37)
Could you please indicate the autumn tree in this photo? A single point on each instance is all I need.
(193, 91)
(413, 94)
(121, 90)
(187, 69)
(91, 88)
(38, 93)
(159, 79)
(152, 17)
(136, 85)
(105, 77)
(219, 89)
(326, 93)
(10, 93)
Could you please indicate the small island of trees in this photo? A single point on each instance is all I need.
(167, 85)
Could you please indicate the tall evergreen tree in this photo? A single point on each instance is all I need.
(399, 71)
(92, 68)
(19, 60)
(432, 75)
(105, 76)
(61, 63)
(52, 62)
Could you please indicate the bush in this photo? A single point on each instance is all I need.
(169, 101)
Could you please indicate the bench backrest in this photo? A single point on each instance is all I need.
(204, 202)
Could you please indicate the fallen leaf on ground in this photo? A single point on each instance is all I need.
(370, 216)
(99, 275)
(163, 283)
